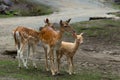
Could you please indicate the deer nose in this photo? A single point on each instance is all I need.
(81, 42)
(74, 31)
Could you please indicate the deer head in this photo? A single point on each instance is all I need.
(48, 24)
(79, 38)
(66, 27)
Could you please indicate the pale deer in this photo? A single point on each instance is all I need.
(69, 49)
(27, 37)
(52, 40)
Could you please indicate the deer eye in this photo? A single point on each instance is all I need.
(65, 26)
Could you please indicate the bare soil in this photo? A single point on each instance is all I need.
(93, 53)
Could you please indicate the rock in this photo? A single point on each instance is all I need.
(8, 2)
(111, 52)
(87, 48)
(97, 18)
(3, 9)
(117, 1)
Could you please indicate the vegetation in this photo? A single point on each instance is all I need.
(8, 68)
(34, 9)
(27, 8)
(107, 30)
(103, 30)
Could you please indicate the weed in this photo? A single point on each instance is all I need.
(106, 30)
(8, 68)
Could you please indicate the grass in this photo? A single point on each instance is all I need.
(8, 69)
(115, 5)
(106, 30)
(36, 9)
(27, 8)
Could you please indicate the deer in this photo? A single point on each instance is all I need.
(69, 49)
(27, 37)
(52, 39)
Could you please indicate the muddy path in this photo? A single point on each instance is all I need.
(91, 54)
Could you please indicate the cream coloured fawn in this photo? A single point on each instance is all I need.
(51, 40)
(69, 49)
(27, 37)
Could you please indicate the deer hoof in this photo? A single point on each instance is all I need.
(18, 67)
(47, 69)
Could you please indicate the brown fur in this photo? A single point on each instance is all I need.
(47, 35)
(25, 33)
(53, 38)
(24, 36)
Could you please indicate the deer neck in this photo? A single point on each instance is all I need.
(60, 38)
(76, 45)
(60, 33)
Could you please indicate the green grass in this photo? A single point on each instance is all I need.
(107, 30)
(27, 8)
(36, 10)
(8, 69)
(116, 6)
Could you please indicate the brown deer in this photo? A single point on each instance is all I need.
(52, 40)
(69, 49)
(49, 37)
(24, 36)
(46, 48)
(27, 37)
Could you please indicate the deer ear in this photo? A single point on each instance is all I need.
(61, 22)
(81, 34)
(74, 35)
(47, 20)
(40, 28)
(68, 20)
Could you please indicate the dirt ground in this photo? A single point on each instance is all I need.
(93, 53)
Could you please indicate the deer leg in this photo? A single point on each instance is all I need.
(58, 61)
(46, 57)
(68, 60)
(71, 65)
(33, 56)
(27, 55)
(21, 54)
(18, 53)
(59, 55)
(51, 54)
(18, 56)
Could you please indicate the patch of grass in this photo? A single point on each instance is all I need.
(107, 30)
(35, 9)
(8, 69)
(115, 13)
(27, 8)
(116, 6)
(5, 16)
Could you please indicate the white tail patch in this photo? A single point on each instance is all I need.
(18, 37)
